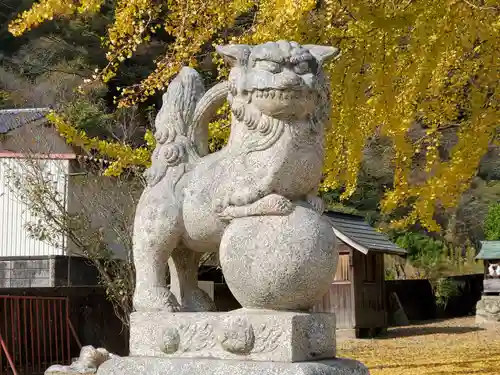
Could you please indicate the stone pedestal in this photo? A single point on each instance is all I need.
(488, 310)
(205, 366)
(252, 335)
(240, 342)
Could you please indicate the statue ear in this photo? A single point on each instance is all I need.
(234, 54)
(323, 53)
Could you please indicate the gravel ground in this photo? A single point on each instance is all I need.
(455, 347)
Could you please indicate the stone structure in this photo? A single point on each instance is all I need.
(253, 335)
(488, 307)
(255, 202)
(87, 364)
(488, 310)
(181, 366)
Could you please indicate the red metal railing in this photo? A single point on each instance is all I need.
(35, 332)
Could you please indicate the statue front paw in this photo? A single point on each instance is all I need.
(246, 196)
(317, 203)
(242, 197)
(221, 203)
(281, 205)
(228, 213)
(272, 204)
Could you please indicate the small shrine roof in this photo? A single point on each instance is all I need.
(489, 250)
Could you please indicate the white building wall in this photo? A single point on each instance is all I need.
(15, 240)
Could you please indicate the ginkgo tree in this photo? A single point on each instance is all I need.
(431, 65)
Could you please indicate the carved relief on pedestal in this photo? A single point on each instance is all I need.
(236, 335)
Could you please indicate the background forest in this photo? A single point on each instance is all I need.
(47, 66)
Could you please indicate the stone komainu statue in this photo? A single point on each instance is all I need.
(274, 157)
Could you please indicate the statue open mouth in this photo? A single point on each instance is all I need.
(281, 94)
(288, 103)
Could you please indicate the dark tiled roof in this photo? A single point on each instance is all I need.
(489, 250)
(11, 119)
(362, 236)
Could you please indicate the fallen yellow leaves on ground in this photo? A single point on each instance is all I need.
(451, 347)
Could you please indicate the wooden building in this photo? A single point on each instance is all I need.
(490, 255)
(357, 293)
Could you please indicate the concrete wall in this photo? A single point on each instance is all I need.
(44, 272)
(27, 273)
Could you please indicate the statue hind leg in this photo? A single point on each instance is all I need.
(156, 235)
(183, 266)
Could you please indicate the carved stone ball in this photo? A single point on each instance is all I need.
(236, 335)
(171, 341)
(279, 262)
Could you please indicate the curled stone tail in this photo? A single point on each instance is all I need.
(172, 123)
(204, 112)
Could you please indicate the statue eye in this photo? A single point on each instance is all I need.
(302, 67)
(269, 66)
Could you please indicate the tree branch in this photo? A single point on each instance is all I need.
(42, 67)
(481, 7)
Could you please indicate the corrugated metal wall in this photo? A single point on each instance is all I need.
(15, 214)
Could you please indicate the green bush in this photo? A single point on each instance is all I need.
(432, 259)
(420, 247)
(492, 223)
(445, 289)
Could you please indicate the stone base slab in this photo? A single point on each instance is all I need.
(488, 310)
(205, 366)
(256, 335)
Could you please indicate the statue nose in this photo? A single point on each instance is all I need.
(287, 79)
